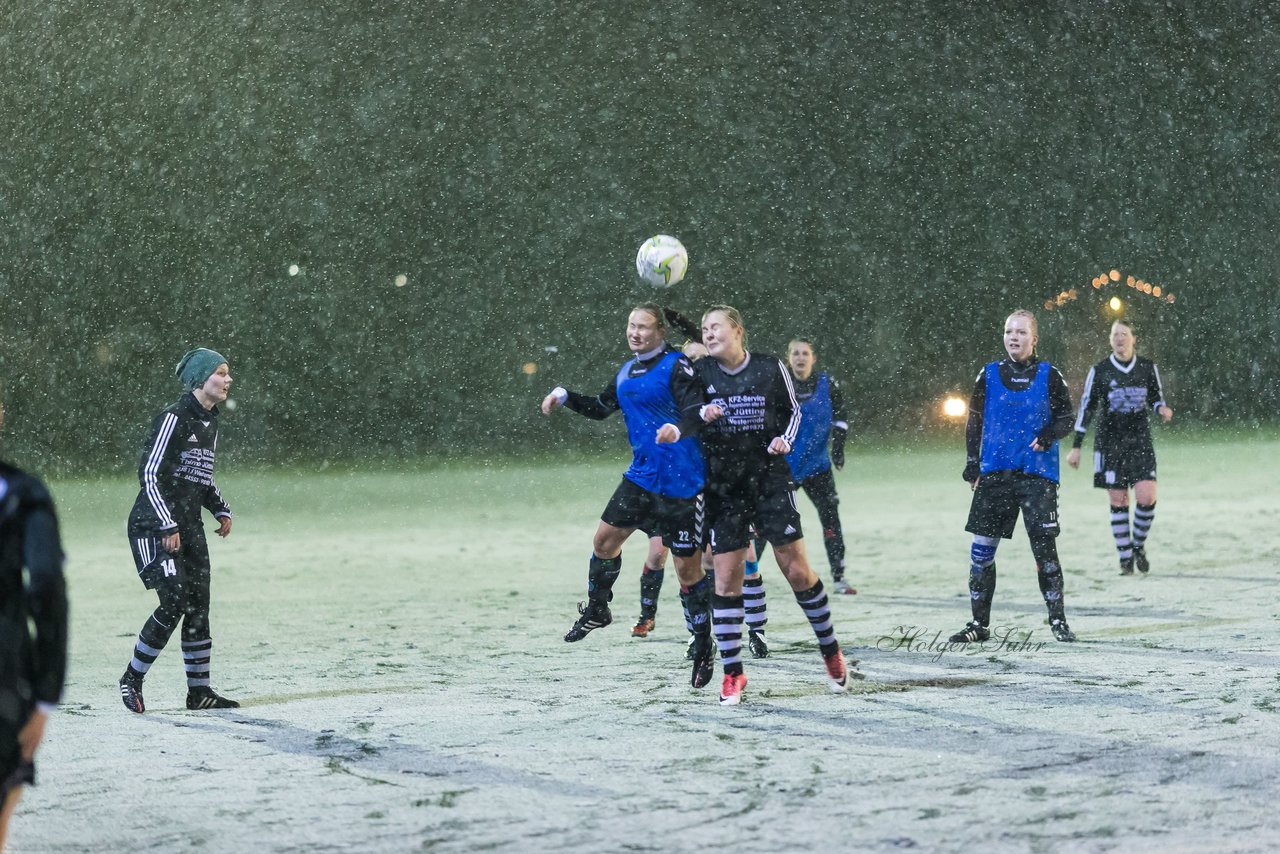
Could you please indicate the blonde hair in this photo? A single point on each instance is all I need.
(1031, 318)
(732, 315)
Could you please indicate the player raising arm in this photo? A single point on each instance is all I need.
(661, 491)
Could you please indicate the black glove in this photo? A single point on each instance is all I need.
(838, 435)
(972, 470)
(686, 326)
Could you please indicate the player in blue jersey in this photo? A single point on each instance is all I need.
(822, 423)
(661, 491)
(1125, 389)
(1019, 409)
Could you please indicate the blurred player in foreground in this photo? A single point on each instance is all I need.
(33, 628)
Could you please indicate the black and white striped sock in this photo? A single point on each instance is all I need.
(1143, 516)
(756, 611)
(818, 611)
(147, 648)
(1120, 530)
(195, 658)
(726, 624)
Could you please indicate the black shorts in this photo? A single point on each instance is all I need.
(999, 498)
(14, 773)
(15, 705)
(762, 500)
(1122, 468)
(154, 564)
(677, 520)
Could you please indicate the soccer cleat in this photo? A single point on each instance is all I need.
(972, 632)
(842, 586)
(643, 626)
(756, 641)
(131, 693)
(731, 690)
(837, 673)
(704, 661)
(1062, 631)
(595, 615)
(1140, 559)
(1126, 566)
(204, 697)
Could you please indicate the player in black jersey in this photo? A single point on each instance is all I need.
(755, 602)
(1019, 409)
(748, 425)
(166, 533)
(1125, 389)
(33, 628)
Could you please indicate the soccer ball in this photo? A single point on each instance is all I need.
(661, 261)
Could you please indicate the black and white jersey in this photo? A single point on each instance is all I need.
(759, 404)
(176, 470)
(1123, 395)
(33, 603)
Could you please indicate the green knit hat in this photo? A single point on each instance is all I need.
(198, 365)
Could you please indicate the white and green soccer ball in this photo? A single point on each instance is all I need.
(662, 261)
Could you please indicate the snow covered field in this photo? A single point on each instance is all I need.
(395, 638)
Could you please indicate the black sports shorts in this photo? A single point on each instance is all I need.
(999, 498)
(1124, 466)
(677, 520)
(761, 499)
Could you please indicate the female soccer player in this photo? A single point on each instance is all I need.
(823, 423)
(748, 425)
(661, 491)
(1019, 409)
(166, 533)
(1126, 388)
(33, 664)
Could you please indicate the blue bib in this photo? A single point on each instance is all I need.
(1010, 422)
(809, 454)
(676, 469)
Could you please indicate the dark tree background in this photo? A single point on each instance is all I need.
(891, 179)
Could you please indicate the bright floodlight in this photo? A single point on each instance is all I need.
(293, 269)
(954, 407)
(1115, 303)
